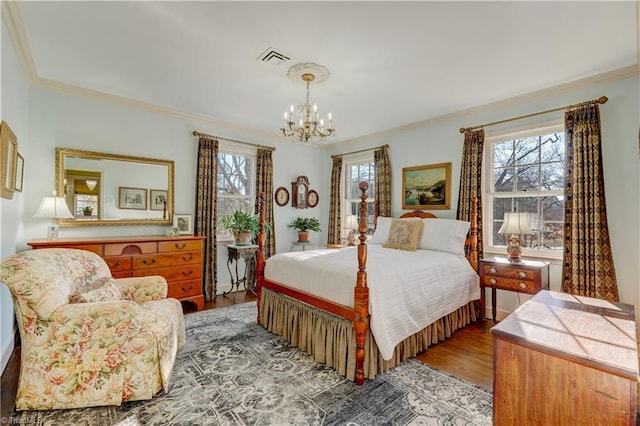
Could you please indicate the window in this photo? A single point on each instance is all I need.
(235, 186)
(526, 174)
(358, 170)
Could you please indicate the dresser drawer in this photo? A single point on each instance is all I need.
(94, 248)
(119, 263)
(182, 289)
(174, 273)
(166, 259)
(179, 245)
(117, 249)
(510, 272)
(522, 286)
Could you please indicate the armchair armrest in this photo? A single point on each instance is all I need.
(144, 289)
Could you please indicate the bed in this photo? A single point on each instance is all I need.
(417, 298)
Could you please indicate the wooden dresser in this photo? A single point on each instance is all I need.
(177, 259)
(566, 360)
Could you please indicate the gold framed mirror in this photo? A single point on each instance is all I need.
(93, 184)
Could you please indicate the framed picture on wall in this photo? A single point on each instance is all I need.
(132, 198)
(158, 199)
(19, 172)
(427, 187)
(9, 158)
(184, 223)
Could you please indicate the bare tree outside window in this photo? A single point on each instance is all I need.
(361, 172)
(235, 187)
(527, 176)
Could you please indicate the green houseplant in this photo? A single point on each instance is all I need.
(304, 225)
(87, 210)
(243, 226)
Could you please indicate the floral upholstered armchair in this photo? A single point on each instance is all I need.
(89, 339)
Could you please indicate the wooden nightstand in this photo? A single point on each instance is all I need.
(527, 277)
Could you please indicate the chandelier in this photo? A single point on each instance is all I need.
(302, 124)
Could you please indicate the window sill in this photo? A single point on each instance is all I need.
(552, 258)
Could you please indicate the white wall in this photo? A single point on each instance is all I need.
(15, 105)
(441, 141)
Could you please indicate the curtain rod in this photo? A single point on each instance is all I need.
(600, 100)
(361, 150)
(197, 133)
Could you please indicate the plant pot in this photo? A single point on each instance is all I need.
(243, 238)
(87, 213)
(303, 235)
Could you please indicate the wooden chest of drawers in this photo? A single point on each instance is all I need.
(177, 259)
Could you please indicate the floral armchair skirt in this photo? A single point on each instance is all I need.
(89, 339)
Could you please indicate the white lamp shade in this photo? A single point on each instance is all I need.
(352, 222)
(53, 208)
(516, 223)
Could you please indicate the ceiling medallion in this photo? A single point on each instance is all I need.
(302, 124)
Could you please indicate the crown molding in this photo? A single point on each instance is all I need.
(15, 29)
(608, 77)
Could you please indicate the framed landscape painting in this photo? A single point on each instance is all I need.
(427, 187)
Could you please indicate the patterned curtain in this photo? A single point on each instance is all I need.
(587, 264)
(264, 183)
(383, 181)
(205, 217)
(333, 232)
(471, 179)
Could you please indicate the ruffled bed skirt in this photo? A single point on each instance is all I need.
(330, 339)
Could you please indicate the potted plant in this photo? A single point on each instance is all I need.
(243, 226)
(304, 225)
(87, 210)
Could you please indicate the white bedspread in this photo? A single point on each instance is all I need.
(407, 290)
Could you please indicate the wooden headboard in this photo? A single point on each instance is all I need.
(419, 213)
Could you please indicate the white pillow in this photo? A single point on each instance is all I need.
(382, 230)
(444, 235)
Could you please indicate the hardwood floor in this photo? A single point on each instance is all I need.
(468, 354)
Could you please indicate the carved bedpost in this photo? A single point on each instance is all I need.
(473, 235)
(361, 291)
(260, 252)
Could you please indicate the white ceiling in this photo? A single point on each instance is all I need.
(391, 63)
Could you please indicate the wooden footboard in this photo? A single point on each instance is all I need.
(359, 313)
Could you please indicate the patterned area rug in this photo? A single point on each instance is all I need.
(233, 372)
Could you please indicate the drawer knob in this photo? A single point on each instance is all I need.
(187, 273)
(522, 285)
(187, 289)
(492, 270)
(181, 246)
(186, 259)
(492, 280)
(149, 262)
(522, 274)
(117, 264)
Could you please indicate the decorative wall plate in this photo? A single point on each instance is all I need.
(282, 196)
(312, 198)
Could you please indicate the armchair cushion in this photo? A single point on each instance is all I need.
(100, 352)
(102, 290)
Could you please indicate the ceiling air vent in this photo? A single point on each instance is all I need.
(273, 55)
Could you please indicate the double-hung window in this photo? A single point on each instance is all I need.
(356, 170)
(525, 173)
(235, 185)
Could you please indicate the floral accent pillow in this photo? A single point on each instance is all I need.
(102, 290)
(404, 234)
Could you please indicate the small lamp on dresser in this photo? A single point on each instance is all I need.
(515, 225)
(53, 208)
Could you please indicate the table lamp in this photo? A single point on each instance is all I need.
(515, 224)
(53, 208)
(352, 225)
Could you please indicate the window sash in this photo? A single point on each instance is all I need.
(548, 228)
(227, 203)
